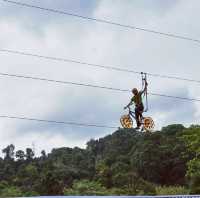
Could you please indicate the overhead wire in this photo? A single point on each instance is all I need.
(57, 122)
(68, 60)
(100, 66)
(92, 86)
(103, 21)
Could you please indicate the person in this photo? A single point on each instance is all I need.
(139, 107)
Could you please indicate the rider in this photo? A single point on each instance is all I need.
(139, 107)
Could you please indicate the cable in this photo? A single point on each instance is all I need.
(91, 85)
(103, 21)
(173, 77)
(95, 65)
(57, 122)
(68, 60)
(63, 82)
(174, 97)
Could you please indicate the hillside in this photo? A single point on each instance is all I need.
(123, 163)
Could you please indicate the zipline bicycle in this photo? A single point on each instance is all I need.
(146, 123)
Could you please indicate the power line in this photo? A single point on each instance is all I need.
(91, 85)
(68, 60)
(103, 21)
(115, 68)
(63, 82)
(173, 77)
(174, 97)
(58, 122)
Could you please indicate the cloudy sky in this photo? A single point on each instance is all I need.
(50, 34)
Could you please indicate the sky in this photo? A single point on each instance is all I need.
(49, 34)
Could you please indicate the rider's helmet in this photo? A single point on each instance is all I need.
(135, 91)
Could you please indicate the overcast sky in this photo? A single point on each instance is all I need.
(50, 34)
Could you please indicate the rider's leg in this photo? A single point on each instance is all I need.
(140, 109)
(138, 114)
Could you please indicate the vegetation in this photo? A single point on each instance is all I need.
(171, 190)
(124, 163)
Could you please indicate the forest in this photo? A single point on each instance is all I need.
(126, 162)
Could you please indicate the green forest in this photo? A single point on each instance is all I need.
(126, 162)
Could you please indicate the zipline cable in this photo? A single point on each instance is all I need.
(103, 21)
(68, 60)
(91, 85)
(95, 65)
(58, 122)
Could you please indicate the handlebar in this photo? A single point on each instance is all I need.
(132, 113)
(127, 107)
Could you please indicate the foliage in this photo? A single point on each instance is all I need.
(191, 137)
(11, 191)
(195, 185)
(161, 157)
(171, 190)
(123, 163)
(85, 187)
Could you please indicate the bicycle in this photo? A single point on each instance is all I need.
(146, 122)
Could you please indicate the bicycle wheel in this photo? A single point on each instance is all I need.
(148, 123)
(126, 121)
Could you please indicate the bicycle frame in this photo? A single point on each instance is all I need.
(132, 113)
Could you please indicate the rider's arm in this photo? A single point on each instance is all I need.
(129, 104)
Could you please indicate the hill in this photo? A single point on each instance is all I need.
(126, 162)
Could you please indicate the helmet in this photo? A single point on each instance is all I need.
(134, 91)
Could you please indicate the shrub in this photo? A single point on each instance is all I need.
(11, 191)
(85, 187)
(171, 190)
(195, 185)
(147, 188)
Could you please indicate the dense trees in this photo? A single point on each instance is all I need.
(192, 139)
(161, 158)
(124, 163)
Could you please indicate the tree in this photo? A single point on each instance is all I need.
(192, 140)
(20, 155)
(51, 184)
(43, 153)
(173, 129)
(9, 152)
(159, 157)
(29, 154)
(104, 174)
